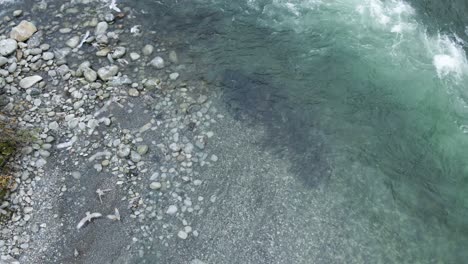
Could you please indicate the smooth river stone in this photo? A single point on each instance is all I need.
(23, 31)
(29, 81)
(7, 46)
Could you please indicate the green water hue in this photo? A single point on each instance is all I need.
(367, 99)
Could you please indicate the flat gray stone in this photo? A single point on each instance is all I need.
(106, 73)
(7, 46)
(29, 81)
(173, 57)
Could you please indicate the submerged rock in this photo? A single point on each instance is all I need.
(119, 52)
(89, 74)
(106, 73)
(173, 57)
(135, 157)
(148, 50)
(174, 76)
(23, 31)
(36, 39)
(142, 149)
(134, 56)
(73, 42)
(101, 28)
(157, 62)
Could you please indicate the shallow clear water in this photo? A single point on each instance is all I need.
(366, 100)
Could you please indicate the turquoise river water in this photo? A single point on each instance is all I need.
(368, 97)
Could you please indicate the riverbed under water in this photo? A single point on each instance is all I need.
(366, 100)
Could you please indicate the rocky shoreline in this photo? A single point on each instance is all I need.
(119, 135)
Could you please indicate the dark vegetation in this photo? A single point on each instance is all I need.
(11, 138)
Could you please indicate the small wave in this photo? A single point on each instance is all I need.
(391, 13)
(450, 58)
(401, 32)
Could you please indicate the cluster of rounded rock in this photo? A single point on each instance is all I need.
(18, 86)
(9, 46)
(68, 107)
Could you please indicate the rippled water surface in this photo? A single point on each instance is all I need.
(365, 99)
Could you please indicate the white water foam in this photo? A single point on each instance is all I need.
(397, 17)
(448, 57)
(451, 58)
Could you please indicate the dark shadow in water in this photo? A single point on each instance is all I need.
(446, 16)
(291, 133)
(400, 141)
